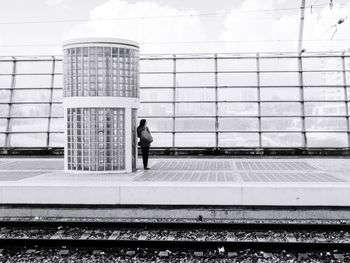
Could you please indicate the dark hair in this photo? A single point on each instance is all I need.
(142, 123)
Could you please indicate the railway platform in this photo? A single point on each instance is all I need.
(220, 182)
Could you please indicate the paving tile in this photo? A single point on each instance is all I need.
(187, 176)
(289, 177)
(202, 170)
(206, 170)
(38, 164)
(16, 176)
(193, 165)
(275, 165)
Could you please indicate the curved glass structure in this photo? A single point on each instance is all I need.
(100, 97)
(101, 71)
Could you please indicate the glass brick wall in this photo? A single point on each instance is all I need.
(218, 100)
(101, 71)
(96, 136)
(96, 139)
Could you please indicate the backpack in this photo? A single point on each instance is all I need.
(146, 136)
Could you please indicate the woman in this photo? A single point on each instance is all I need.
(145, 141)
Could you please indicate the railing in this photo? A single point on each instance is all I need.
(198, 100)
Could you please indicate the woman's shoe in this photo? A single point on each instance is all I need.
(146, 168)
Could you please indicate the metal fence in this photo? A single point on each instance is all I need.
(198, 100)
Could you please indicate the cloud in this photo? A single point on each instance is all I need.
(174, 25)
(54, 2)
(240, 31)
(246, 31)
(320, 26)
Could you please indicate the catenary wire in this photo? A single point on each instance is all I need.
(190, 42)
(160, 17)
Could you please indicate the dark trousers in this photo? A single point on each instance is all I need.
(145, 153)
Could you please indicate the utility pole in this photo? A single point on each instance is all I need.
(301, 26)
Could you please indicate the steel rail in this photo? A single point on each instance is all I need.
(109, 243)
(179, 225)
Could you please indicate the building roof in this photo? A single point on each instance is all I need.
(115, 41)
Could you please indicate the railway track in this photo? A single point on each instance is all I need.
(176, 235)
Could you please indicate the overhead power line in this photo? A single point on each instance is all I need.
(243, 41)
(192, 42)
(157, 17)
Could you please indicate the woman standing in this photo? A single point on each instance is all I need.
(145, 141)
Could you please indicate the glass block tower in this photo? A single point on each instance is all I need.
(100, 99)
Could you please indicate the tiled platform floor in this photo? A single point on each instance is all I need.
(195, 170)
(299, 181)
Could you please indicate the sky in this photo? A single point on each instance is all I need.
(38, 27)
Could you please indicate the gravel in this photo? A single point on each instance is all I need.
(280, 221)
(176, 235)
(149, 255)
(73, 233)
(26, 233)
(101, 234)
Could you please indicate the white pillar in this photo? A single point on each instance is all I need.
(100, 91)
(128, 144)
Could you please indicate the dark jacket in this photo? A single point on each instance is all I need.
(143, 143)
